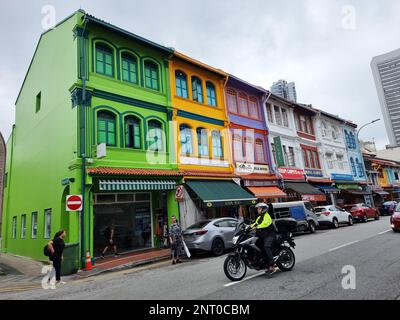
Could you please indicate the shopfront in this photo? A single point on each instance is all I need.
(137, 209)
(210, 199)
(350, 190)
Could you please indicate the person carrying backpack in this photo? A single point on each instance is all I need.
(54, 250)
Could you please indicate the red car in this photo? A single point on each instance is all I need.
(395, 221)
(362, 212)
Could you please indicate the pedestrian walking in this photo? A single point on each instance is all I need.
(109, 235)
(56, 247)
(176, 240)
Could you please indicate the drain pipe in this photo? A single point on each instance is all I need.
(83, 138)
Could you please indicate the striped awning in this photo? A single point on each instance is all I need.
(135, 185)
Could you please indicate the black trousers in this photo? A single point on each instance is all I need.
(268, 238)
(57, 267)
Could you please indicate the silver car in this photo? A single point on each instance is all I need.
(211, 235)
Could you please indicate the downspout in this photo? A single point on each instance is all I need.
(6, 212)
(83, 138)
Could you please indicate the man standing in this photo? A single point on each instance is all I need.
(109, 235)
(265, 229)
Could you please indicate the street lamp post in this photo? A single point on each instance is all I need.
(359, 146)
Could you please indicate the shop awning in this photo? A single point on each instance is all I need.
(327, 189)
(381, 193)
(135, 185)
(303, 188)
(350, 186)
(267, 192)
(220, 193)
(357, 192)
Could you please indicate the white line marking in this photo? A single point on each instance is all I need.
(344, 245)
(248, 278)
(384, 231)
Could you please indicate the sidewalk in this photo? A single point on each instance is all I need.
(125, 261)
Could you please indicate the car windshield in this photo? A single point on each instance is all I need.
(398, 208)
(388, 203)
(199, 225)
(320, 209)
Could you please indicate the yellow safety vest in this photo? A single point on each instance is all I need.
(263, 221)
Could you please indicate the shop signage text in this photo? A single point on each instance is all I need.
(291, 173)
(247, 168)
(280, 161)
(313, 197)
(313, 173)
(342, 177)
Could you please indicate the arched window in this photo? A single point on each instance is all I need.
(132, 133)
(186, 139)
(197, 90)
(154, 136)
(211, 95)
(151, 76)
(202, 142)
(232, 101)
(353, 167)
(243, 107)
(253, 108)
(106, 128)
(352, 141)
(129, 68)
(181, 84)
(347, 138)
(217, 144)
(238, 146)
(259, 151)
(104, 60)
(323, 127)
(360, 168)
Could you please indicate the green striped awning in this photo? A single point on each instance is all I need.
(135, 185)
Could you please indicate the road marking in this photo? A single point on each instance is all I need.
(344, 245)
(245, 279)
(16, 289)
(383, 232)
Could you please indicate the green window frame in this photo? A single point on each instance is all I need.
(181, 84)
(23, 226)
(133, 135)
(106, 128)
(129, 68)
(202, 142)
(104, 60)
(211, 94)
(151, 76)
(154, 136)
(197, 90)
(34, 225)
(217, 144)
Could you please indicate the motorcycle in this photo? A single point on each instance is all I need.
(248, 251)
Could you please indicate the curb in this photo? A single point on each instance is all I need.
(126, 266)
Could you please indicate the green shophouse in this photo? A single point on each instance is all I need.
(93, 111)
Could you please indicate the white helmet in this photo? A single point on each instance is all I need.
(261, 205)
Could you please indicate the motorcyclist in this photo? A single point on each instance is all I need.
(265, 230)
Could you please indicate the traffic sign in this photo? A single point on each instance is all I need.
(74, 202)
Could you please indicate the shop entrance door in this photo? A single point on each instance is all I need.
(131, 220)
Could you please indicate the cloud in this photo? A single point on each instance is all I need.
(260, 41)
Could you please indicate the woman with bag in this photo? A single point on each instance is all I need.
(176, 240)
(56, 247)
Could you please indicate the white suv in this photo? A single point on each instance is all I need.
(333, 216)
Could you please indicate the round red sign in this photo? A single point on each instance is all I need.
(74, 202)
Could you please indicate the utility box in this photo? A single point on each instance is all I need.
(70, 263)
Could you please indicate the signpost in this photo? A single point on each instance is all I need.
(74, 202)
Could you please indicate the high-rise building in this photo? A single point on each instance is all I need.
(285, 90)
(386, 72)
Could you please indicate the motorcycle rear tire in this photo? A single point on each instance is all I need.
(293, 258)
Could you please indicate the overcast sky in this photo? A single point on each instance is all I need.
(316, 43)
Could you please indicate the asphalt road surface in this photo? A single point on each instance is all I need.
(371, 249)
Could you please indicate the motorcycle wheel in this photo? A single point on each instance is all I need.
(287, 260)
(235, 268)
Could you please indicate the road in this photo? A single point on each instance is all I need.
(372, 248)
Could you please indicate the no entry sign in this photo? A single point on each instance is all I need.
(74, 202)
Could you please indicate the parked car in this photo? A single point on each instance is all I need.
(387, 208)
(211, 235)
(301, 211)
(395, 219)
(362, 212)
(333, 216)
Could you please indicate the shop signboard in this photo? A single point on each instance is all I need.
(342, 177)
(291, 173)
(249, 168)
(313, 173)
(280, 161)
(313, 197)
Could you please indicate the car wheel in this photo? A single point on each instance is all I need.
(365, 219)
(351, 222)
(217, 247)
(311, 227)
(335, 223)
(377, 216)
